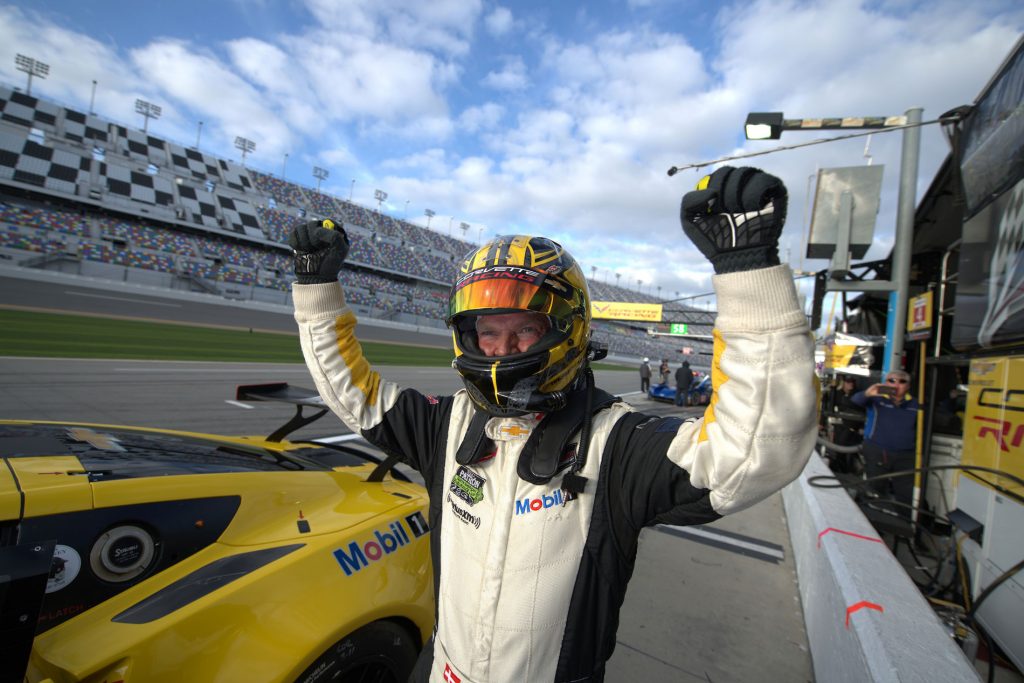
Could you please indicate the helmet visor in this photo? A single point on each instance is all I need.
(509, 289)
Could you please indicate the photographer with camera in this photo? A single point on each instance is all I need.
(890, 436)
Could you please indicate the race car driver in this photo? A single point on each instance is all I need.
(539, 482)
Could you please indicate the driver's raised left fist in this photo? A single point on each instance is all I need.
(320, 248)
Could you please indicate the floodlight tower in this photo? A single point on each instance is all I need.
(320, 174)
(380, 196)
(245, 146)
(32, 68)
(464, 227)
(148, 111)
(429, 213)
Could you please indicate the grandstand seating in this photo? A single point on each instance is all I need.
(101, 192)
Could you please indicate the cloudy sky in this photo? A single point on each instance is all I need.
(548, 118)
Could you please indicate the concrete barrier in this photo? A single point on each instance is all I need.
(865, 618)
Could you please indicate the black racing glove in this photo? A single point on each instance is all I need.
(735, 217)
(320, 248)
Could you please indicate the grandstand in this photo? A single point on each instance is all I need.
(91, 197)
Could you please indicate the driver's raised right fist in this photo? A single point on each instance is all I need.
(320, 248)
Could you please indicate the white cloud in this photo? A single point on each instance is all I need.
(442, 25)
(511, 77)
(499, 22)
(481, 118)
(75, 61)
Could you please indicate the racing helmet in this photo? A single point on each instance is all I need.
(514, 274)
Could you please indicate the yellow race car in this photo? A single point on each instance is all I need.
(141, 556)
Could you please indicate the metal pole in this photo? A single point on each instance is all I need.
(199, 131)
(904, 234)
(92, 99)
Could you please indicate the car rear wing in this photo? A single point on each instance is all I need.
(282, 392)
(301, 397)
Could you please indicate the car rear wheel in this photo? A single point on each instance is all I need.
(381, 652)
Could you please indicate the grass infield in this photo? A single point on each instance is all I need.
(60, 335)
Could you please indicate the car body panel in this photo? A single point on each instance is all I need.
(51, 484)
(183, 556)
(10, 496)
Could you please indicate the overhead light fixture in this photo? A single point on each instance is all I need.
(763, 126)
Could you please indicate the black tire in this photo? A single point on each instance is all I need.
(381, 652)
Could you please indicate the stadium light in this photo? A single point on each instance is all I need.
(245, 146)
(284, 164)
(199, 131)
(148, 111)
(464, 227)
(429, 213)
(351, 189)
(770, 125)
(320, 174)
(32, 68)
(480, 235)
(380, 196)
(405, 212)
(92, 99)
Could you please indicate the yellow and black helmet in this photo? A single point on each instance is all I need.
(516, 273)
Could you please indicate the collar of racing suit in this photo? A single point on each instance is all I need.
(547, 435)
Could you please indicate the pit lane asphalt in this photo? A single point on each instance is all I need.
(712, 603)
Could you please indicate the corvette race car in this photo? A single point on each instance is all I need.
(700, 391)
(143, 556)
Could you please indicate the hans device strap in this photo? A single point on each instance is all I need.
(476, 444)
(539, 460)
(540, 457)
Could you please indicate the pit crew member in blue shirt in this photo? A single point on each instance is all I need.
(890, 436)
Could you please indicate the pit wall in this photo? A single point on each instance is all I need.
(865, 618)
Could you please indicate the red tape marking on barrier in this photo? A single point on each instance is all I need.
(848, 533)
(859, 606)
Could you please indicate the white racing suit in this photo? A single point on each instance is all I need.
(529, 581)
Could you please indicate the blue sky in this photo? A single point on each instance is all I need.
(547, 118)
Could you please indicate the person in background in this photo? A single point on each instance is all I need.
(645, 375)
(684, 378)
(847, 423)
(664, 371)
(890, 436)
(539, 482)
